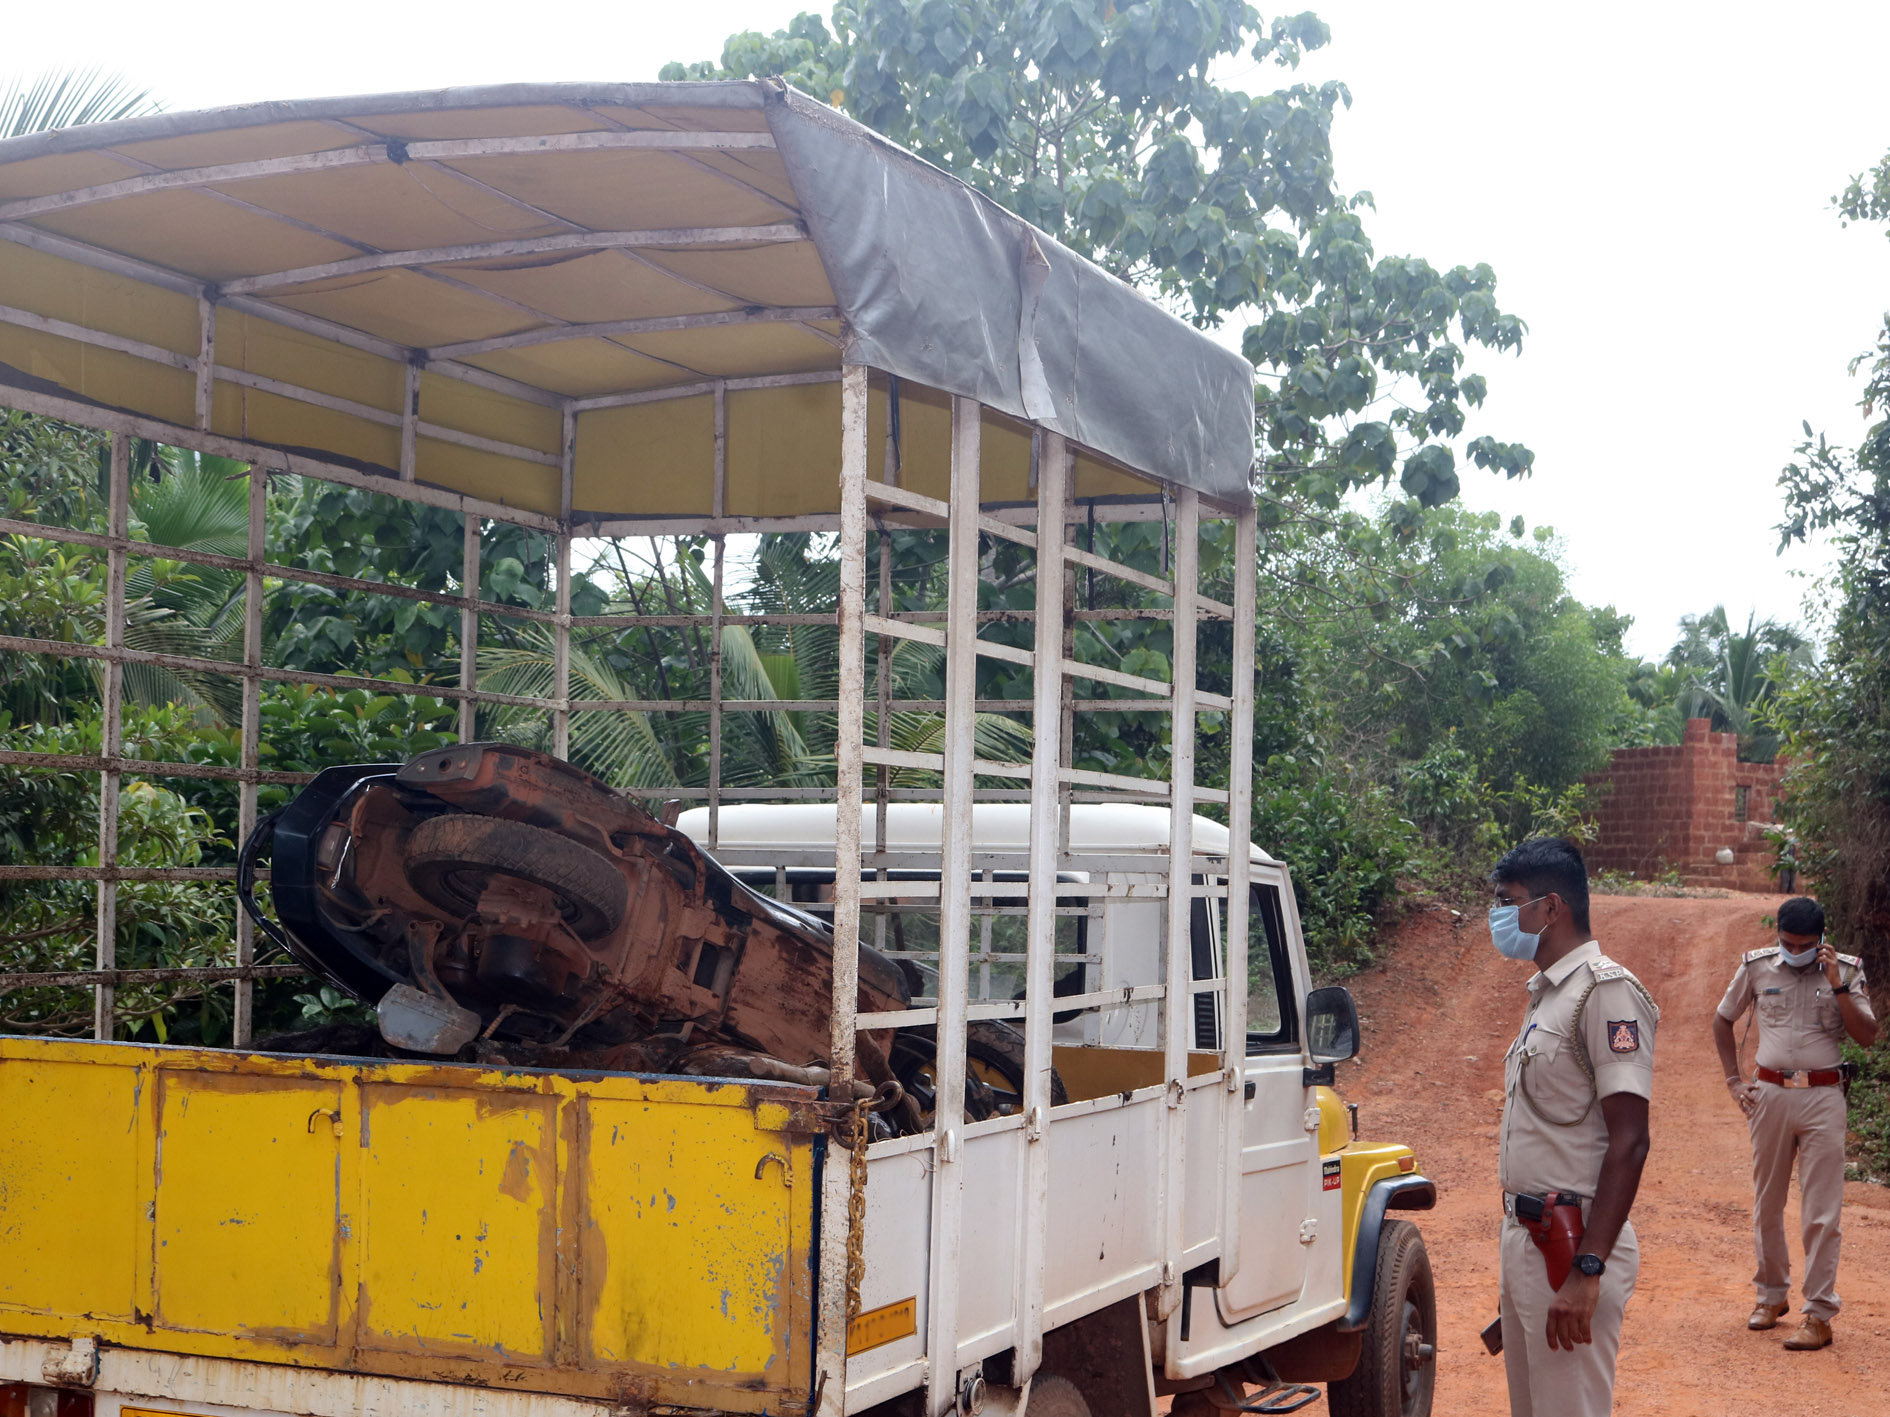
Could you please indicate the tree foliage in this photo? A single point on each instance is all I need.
(1103, 125)
(66, 98)
(1837, 717)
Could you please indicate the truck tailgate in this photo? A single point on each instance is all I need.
(646, 1241)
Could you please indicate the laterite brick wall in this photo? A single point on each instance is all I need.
(1675, 807)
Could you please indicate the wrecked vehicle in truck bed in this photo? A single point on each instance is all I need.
(495, 901)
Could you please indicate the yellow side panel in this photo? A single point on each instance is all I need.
(105, 375)
(689, 1238)
(459, 1221)
(247, 1205)
(511, 482)
(784, 451)
(648, 458)
(608, 1237)
(98, 300)
(259, 346)
(69, 1189)
(466, 408)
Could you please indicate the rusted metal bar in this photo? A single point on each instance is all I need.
(469, 626)
(1239, 869)
(293, 574)
(836, 1230)
(561, 629)
(206, 369)
(775, 233)
(118, 513)
(718, 498)
(176, 435)
(111, 978)
(616, 329)
(243, 1013)
(683, 622)
(1177, 1013)
(409, 418)
(118, 873)
(954, 926)
(277, 676)
(690, 391)
(145, 767)
(1053, 468)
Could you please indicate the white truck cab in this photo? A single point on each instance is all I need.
(1309, 1202)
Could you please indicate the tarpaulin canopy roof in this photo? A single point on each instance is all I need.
(496, 290)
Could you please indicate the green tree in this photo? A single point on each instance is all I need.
(1733, 677)
(66, 98)
(1101, 124)
(1836, 716)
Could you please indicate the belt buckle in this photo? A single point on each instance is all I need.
(1796, 1077)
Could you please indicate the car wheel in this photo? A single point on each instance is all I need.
(1397, 1365)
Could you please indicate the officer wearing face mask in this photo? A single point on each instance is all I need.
(1576, 1082)
(1808, 999)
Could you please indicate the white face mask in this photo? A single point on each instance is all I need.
(1797, 959)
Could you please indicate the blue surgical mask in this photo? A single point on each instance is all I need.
(1507, 934)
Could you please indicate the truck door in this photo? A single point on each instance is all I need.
(1278, 1159)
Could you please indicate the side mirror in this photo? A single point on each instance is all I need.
(1331, 1025)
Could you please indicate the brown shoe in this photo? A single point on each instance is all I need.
(1812, 1333)
(1767, 1315)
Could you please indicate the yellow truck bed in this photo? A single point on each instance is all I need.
(642, 1241)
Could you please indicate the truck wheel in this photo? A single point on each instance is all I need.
(1397, 1365)
(1055, 1397)
(450, 859)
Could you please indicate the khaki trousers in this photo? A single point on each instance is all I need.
(1557, 1383)
(1805, 1123)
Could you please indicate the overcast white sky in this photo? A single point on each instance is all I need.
(1650, 181)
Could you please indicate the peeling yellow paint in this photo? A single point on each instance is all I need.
(591, 1236)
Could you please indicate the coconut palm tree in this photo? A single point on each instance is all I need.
(760, 747)
(1733, 677)
(68, 97)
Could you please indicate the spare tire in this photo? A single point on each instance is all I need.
(451, 859)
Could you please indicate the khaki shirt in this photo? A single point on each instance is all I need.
(1537, 1155)
(1800, 1025)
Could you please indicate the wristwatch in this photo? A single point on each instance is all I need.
(1841, 989)
(1591, 1265)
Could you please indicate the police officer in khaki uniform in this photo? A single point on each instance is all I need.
(1577, 1082)
(1808, 998)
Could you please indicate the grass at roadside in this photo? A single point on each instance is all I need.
(1666, 887)
(1870, 1113)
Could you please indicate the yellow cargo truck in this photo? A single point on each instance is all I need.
(705, 311)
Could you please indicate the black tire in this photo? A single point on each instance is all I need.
(992, 1048)
(1397, 1364)
(1055, 1397)
(450, 859)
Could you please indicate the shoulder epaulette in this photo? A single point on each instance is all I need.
(1605, 969)
(1852, 960)
(1754, 956)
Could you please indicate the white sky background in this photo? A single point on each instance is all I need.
(1650, 182)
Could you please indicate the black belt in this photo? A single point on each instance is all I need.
(1540, 1201)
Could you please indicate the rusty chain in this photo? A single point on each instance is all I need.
(856, 1207)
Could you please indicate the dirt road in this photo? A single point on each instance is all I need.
(1437, 1019)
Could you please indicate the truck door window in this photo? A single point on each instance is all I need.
(1272, 1025)
(1202, 965)
(907, 931)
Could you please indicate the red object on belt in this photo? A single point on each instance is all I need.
(1817, 1077)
